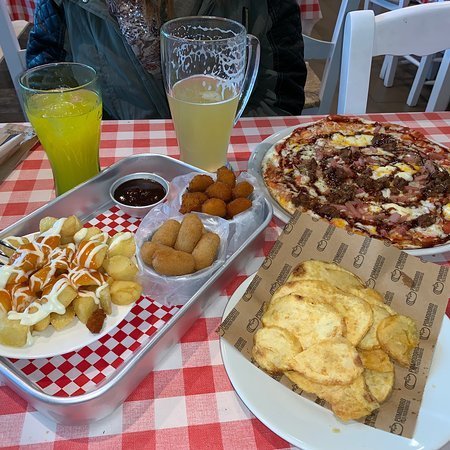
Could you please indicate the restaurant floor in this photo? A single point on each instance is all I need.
(381, 99)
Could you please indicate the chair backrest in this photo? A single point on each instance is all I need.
(419, 30)
(14, 55)
(316, 49)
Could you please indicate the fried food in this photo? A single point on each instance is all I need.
(167, 233)
(237, 206)
(242, 190)
(200, 183)
(398, 336)
(333, 361)
(148, 249)
(356, 312)
(215, 207)
(60, 273)
(227, 176)
(190, 232)
(273, 347)
(96, 320)
(347, 335)
(308, 320)
(172, 262)
(219, 190)
(125, 292)
(192, 201)
(205, 252)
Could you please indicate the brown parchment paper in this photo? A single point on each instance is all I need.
(409, 285)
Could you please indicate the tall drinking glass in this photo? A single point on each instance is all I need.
(64, 105)
(209, 67)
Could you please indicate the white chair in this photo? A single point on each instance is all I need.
(420, 30)
(425, 66)
(316, 49)
(14, 55)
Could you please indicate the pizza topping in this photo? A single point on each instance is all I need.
(382, 178)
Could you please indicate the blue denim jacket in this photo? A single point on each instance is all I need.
(84, 31)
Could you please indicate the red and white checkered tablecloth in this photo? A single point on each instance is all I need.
(187, 401)
(24, 9)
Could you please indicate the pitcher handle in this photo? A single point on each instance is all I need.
(250, 74)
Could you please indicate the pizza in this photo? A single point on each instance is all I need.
(379, 179)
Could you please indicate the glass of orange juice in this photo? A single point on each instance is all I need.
(209, 67)
(64, 105)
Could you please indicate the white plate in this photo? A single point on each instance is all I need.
(437, 254)
(50, 342)
(311, 427)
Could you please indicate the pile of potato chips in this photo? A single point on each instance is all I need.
(333, 337)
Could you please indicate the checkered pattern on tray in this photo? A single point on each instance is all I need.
(187, 401)
(78, 372)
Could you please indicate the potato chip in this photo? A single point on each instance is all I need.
(372, 297)
(356, 312)
(377, 360)
(325, 271)
(334, 361)
(350, 401)
(273, 347)
(308, 320)
(370, 340)
(380, 384)
(398, 336)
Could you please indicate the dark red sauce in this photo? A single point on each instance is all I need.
(139, 192)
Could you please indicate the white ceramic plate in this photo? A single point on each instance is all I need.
(435, 254)
(311, 427)
(51, 342)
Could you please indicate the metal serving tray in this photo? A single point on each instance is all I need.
(88, 201)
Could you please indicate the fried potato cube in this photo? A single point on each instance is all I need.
(5, 301)
(85, 234)
(46, 223)
(215, 207)
(200, 183)
(65, 297)
(12, 333)
(237, 206)
(242, 190)
(190, 232)
(310, 321)
(205, 252)
(334, 361)
(70, 226)
(84, 307)
(273, 347)
(125, 292)
(167, 233)
(60, 321)
(91, 254)
(104, 295)
(42, 324)
(370, 340)
(227, 176)
(148, 249)
(380, 384)
(172, 262)
(121, 268)
(192, 201)
(398, 336)
(122, 244)
(219, 190)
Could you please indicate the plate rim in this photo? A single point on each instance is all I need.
(269, 142)
(395, 440)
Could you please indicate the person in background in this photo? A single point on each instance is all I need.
(120, 39)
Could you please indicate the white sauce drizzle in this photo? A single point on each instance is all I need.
(90, 294)
(118, 238)
(80, 235)
(92, 254)
(55, 229)
(5, 273)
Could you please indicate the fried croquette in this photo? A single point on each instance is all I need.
(205, 252)
(227, 176)
(242, 190)
(219, 190)
(191, 231)
(215, 207)
(237, 206)
(192, 201)
(200, 183)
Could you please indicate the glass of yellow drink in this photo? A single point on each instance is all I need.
(209, 67)
(63, 103)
